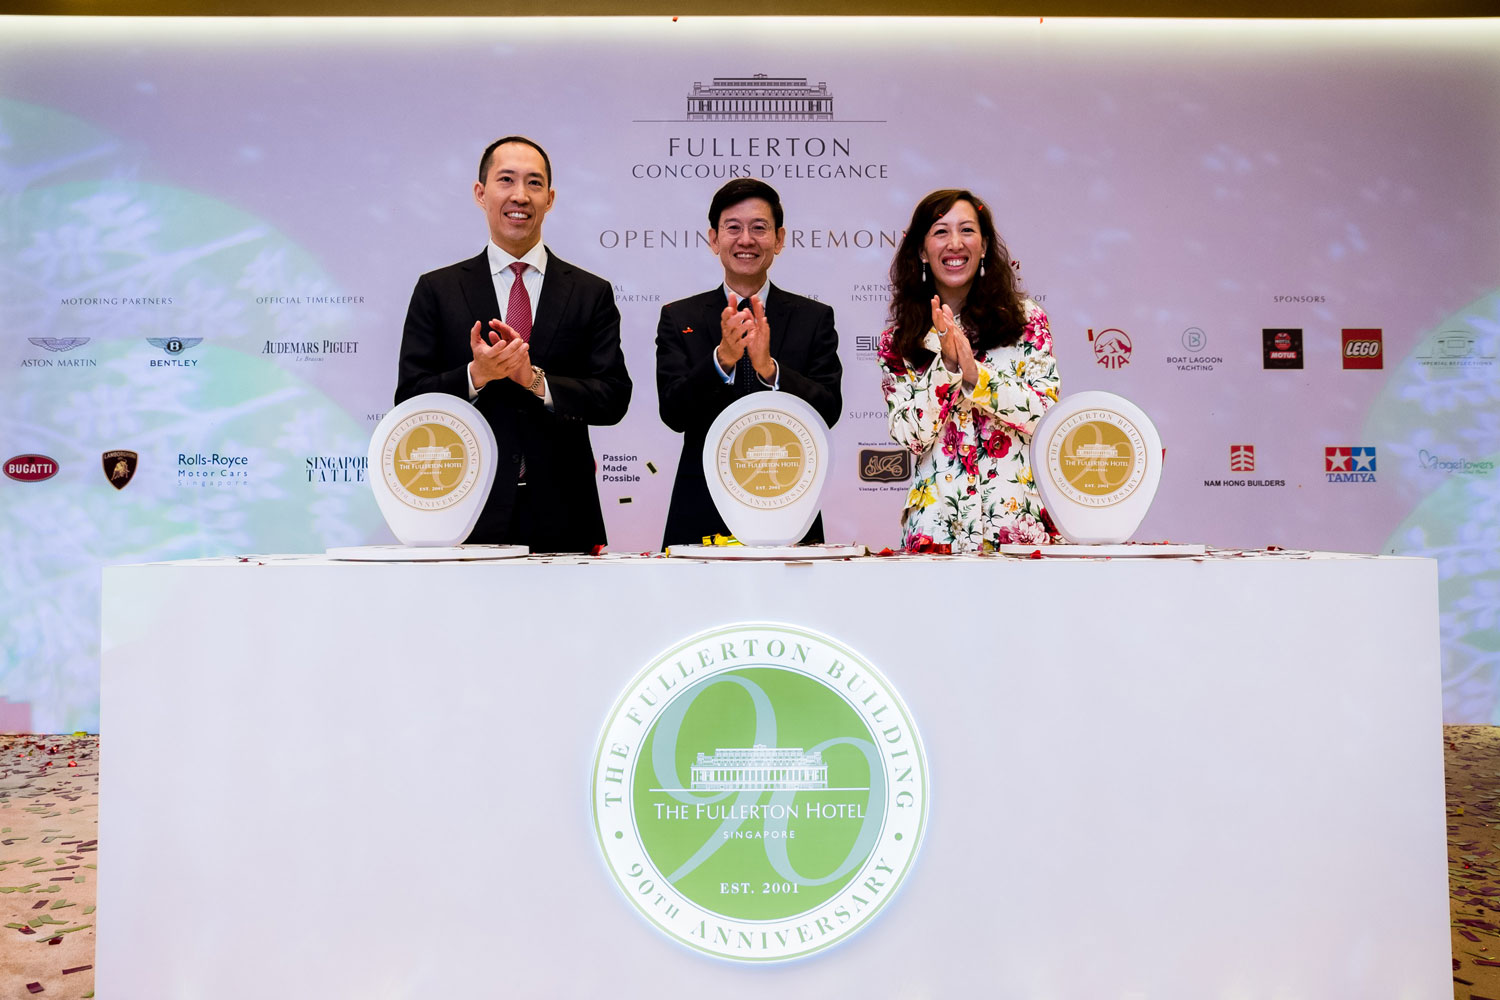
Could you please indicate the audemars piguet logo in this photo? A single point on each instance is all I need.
(759, 792)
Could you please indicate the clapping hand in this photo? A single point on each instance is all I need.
(958, 353)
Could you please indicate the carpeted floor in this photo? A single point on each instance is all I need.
(49, 813)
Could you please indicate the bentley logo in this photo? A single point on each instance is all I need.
(174, 345)
(119, 467)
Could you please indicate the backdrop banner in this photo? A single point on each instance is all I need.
(1279, 238)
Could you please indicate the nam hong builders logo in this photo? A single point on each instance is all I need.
(1281, 348)
(1346, 464)
(1242, 458)
(1111, 348)
(759, 792)
(1363, 349)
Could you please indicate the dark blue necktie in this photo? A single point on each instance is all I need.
(744, 371)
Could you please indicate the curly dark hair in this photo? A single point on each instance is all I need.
(992, 314)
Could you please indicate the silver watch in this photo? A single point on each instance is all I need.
(536, 382)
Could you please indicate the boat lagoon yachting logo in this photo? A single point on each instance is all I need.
(1111, 348)
(1096, 458)
(174, 346)
(767, 459)
(430, 460)
(1346, 464)
(759, 792)
(1194, 342)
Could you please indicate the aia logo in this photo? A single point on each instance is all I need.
(1363, 349)
(1242, 458)
(1111, 347)
(1281, 348)
(30, 468)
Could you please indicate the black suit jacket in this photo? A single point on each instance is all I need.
(575, 338)
(692, 391)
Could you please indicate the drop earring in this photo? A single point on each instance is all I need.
(981, 267)
(924, 272)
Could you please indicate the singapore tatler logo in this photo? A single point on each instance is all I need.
(759, 792)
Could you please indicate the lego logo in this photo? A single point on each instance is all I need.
(1362, 349)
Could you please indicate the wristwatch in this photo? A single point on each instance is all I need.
(536, 381)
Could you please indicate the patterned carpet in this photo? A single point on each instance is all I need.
(49, 813)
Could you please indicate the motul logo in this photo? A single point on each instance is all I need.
(1362, 349)
(30, 468)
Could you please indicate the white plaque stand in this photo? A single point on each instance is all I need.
(765, 459)
(1096, 457)
(432, 463)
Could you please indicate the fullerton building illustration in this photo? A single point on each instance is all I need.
(759, 98)
(759, 768)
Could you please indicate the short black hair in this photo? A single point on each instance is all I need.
(484, 161)
(742, 189)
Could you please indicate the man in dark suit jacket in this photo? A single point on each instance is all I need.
(541, 372)
(745, 336)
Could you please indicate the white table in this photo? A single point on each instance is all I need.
(1150, 778)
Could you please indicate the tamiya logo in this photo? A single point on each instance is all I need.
(1349, 464)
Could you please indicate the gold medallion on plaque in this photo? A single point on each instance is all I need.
(1097, 458)
(767, 459)
(430, 460)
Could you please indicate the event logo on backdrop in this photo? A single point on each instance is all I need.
(1281, 348)
(1363, 348)
(759, 792)
(119, 467)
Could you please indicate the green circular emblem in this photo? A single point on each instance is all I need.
(759, 792)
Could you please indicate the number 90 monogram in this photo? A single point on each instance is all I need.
(759, 792)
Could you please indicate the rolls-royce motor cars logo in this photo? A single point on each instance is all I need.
(1281, 348)
(759, 792)
(30, 468)
(1349, 463)
(884, 465)
(119, 467)
(1111, 348)
(1363, 348)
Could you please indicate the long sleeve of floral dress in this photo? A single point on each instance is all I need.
(973, 488)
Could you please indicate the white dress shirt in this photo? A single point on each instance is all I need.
(504, 277)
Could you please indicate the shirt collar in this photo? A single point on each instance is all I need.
(732, 296)
(501, 259)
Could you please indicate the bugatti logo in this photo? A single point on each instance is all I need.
(30, 468)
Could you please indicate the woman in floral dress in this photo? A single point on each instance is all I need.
(967, 372)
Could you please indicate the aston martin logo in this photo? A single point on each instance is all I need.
(59, 343)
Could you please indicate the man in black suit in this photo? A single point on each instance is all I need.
(745, 336)
(541, 371)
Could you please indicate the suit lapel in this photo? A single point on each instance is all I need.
(557, 287)
(478, 287)
(778, 311)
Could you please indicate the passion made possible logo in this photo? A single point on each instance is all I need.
(759, 792)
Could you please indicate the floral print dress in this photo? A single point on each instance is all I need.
(973, 488)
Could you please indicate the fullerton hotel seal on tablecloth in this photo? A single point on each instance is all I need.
(759, 792)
